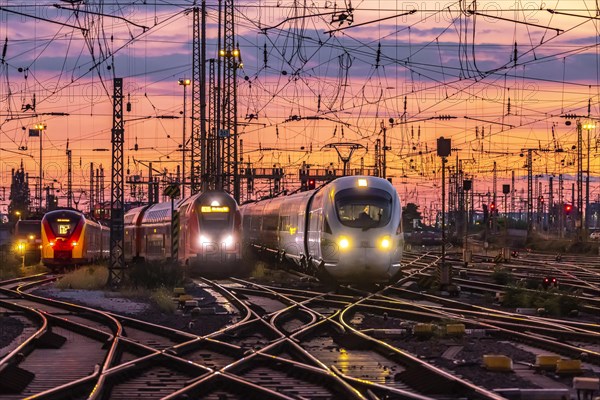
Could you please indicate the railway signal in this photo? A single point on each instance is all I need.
(312, 184)
(568, 209)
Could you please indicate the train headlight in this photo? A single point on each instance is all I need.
(73, 244)
(204, 239)
(228, 241)
(385, 243)
(51, 244)
(343, 242)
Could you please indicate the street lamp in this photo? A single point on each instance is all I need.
(18, 214)
(21, 249)
(185, 83)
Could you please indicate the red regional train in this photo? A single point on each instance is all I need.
(69, 238)
(210, 231)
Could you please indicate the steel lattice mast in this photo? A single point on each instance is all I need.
(69, 177)
(228, 132)
(196, 148)
(117, 257)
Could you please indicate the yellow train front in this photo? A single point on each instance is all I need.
(69, 238)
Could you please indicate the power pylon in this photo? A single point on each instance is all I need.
(69, 177)
(227, 133)
(196, 148)
(117, 257)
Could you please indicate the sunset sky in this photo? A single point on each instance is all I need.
(310, 78)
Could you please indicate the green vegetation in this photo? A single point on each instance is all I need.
(501, 276)
(541, 243)
(155, 274)
(163, 299)
(259, 271)
(154, 281)
(87, 278)
(11, 267)
(553, 302)
(410, 213)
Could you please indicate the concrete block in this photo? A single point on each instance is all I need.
(583, 383)
(546, 361)
(423, 329)
(568, 367)
(494, 362)
(178, 291)
(455, 329)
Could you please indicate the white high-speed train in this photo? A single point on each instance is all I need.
(349, 229)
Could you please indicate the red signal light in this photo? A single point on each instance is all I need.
(311, 183)
(568, 208)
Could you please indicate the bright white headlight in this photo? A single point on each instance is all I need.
(228, 241)
(204, 239)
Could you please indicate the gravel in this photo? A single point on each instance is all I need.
(212, 316)
(10, 329)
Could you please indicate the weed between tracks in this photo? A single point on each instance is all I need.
(86, 278)
(153, 281)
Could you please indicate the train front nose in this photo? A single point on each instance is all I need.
(364, 260)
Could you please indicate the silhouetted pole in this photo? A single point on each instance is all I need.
(444, 150)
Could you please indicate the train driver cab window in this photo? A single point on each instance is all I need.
(369, 208)
(214, 217)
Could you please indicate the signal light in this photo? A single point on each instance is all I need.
(312, 184)
(568, 208)
(492, 207)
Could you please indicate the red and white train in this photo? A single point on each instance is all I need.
(69, 238)
(209, 231)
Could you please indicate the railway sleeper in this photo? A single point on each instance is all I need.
(50, 340)
(14, 379)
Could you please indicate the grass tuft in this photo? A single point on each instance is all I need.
(259, 271)
(86, 278)
(163, 299)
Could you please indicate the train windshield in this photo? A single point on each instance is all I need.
(214, 217)
(63, 225)
(367, 208)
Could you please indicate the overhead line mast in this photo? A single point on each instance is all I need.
(230, 181)
(196, 147)
(117, 256)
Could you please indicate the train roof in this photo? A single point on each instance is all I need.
(343, 182)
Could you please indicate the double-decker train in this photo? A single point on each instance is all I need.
(69, 238)
(209, 231)
(349, 229)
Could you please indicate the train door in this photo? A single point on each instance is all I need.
(315, 224)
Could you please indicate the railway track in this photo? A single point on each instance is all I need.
(286, 343)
